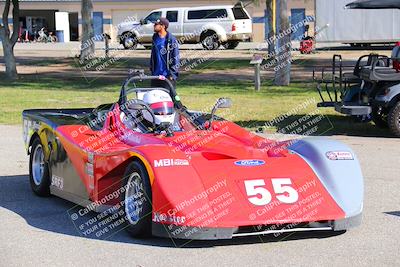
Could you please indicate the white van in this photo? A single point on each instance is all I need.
(210, 25)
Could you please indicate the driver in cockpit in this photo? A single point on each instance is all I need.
(160, 102)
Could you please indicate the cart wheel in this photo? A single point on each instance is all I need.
(394, 119)
(137, 200)
(39, 170)
(380, 120)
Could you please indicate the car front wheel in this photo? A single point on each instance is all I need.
(39, 170)
(137, 200)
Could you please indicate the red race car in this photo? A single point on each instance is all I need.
(148, 164)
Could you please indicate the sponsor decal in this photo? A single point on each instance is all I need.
(339, 155)
(249, 162)
(164, 218)
(171, 162)
(57, 181)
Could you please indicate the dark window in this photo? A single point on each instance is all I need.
(172, 16)
(152, 17)
(239, 13)
(207, 14)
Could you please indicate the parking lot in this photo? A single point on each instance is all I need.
(37, 231)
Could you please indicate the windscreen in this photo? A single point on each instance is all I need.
(239, 13)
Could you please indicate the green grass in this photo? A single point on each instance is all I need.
(251, 109)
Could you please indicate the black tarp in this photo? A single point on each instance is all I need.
(374, 4)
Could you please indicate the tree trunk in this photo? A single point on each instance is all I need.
(282, 70)
(87, 43)
(9, 59)
(271, 32)
(8, 39)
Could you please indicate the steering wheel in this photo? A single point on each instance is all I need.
(139, 105)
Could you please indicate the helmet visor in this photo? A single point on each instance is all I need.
(163, 108)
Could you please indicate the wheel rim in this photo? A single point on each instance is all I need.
(210, 43)
(38, 165)
(133, 198)
(129, 42)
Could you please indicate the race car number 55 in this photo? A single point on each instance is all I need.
(260, 196)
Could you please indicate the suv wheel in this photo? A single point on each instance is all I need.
(231, 44)
(209, 40)
(394, 119)
(129, 41)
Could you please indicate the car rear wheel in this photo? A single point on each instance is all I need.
(39, 170)
(209, 40)
(394, 119)
(137, 200)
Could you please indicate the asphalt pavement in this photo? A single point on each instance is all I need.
(38, 231)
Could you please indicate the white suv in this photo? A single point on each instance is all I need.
(211, 25)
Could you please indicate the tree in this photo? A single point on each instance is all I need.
(271, 33)
(9, 40)
(87, 43)
(283, 57)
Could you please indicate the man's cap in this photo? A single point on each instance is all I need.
(162, 21)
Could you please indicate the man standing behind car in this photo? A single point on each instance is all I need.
(164, 54)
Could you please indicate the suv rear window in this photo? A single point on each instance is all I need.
(207, 14)
(239, 13)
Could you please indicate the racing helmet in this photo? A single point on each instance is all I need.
(161, 104)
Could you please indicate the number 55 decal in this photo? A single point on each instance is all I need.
(260, 196)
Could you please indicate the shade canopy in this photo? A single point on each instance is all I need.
(374, 4)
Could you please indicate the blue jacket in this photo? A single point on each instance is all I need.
(171, 56)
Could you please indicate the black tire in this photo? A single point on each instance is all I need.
(138, 219)
(394, 119)
(209, 40)
(39, 178)
(231, 44)
(129, 41)
(380, 120)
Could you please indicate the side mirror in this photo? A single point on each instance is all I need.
(141, 22)
(222, 102)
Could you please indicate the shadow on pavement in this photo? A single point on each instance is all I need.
(50, 214)
(393, 213)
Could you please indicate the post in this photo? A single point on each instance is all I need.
(257, 76)
(256, 61)
(107, 44)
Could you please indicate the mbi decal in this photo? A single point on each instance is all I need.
(170, 162)
(249, 162)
